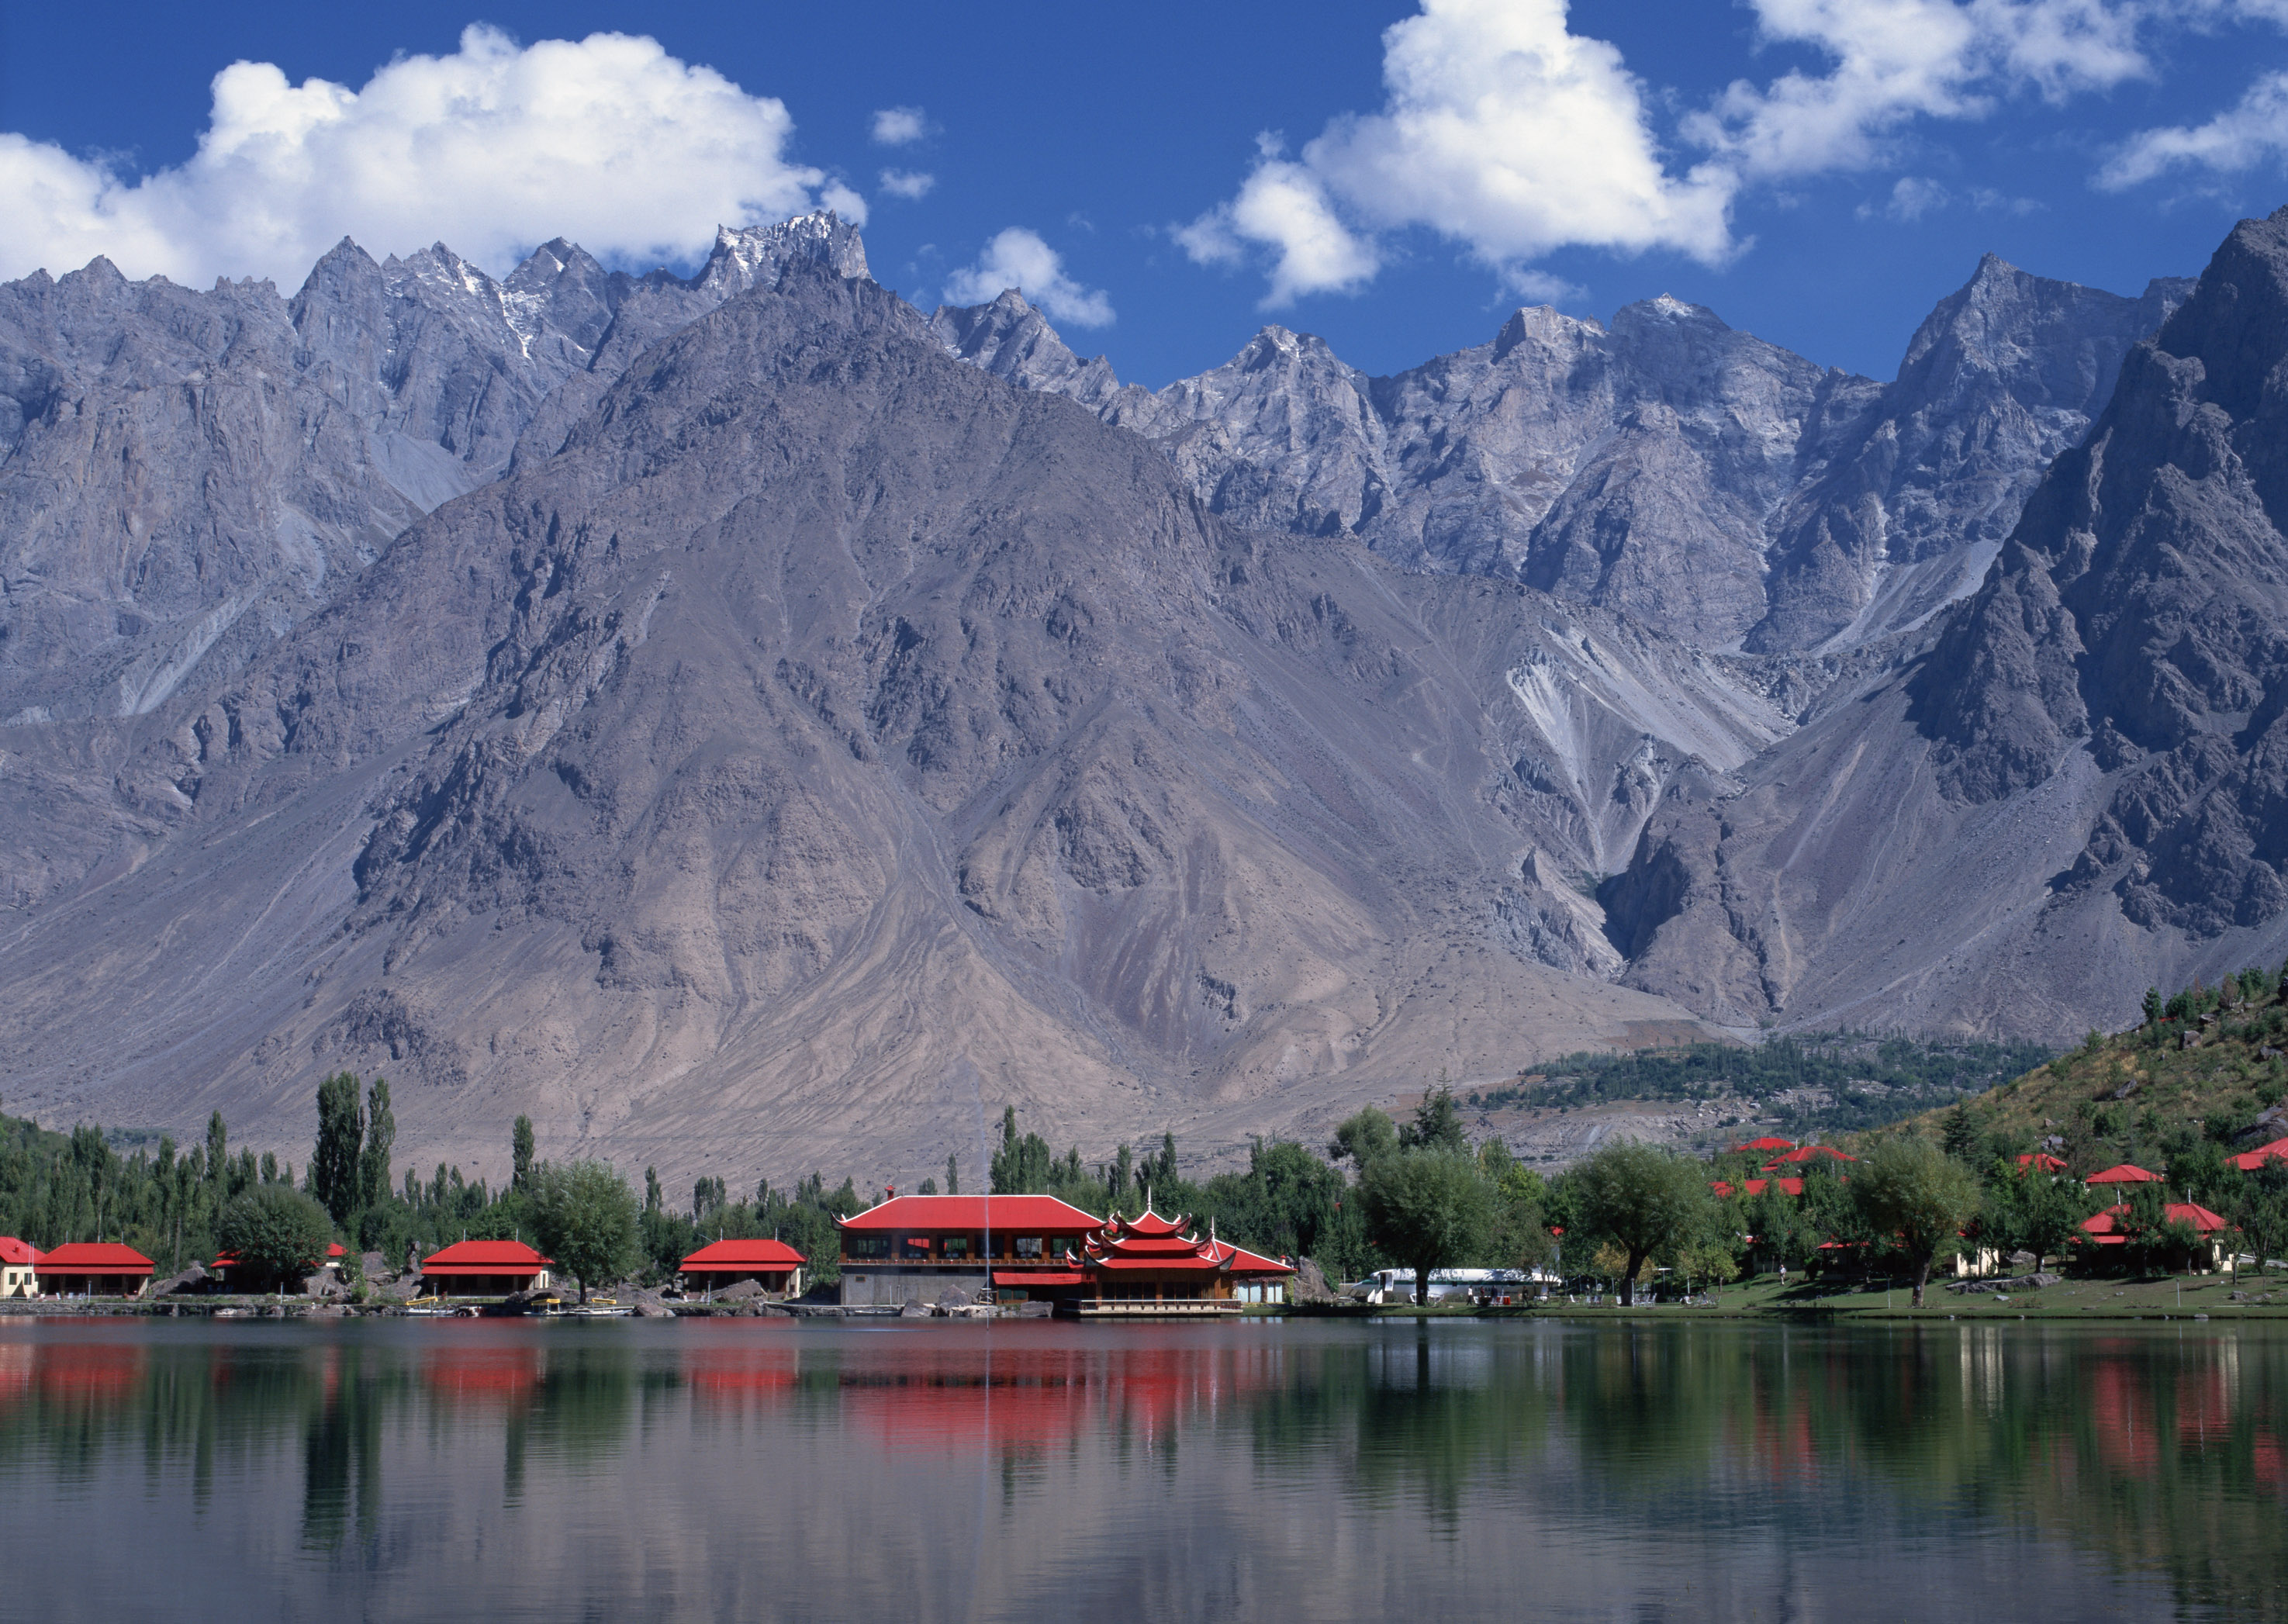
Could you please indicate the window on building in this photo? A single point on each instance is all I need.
(1029, 1246)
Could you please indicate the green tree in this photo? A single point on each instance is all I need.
(1021, 1166)
(1642, 1197)
(1437, 1124)
(1427, 1208)
(217, 1148)
(1961, 1132)
(1913, 1193)
(277, 1234)
(521, 1153)
(585, 1216)
(952, 1176)
(1365, 1137)
(341, 1131)
(380, 1137)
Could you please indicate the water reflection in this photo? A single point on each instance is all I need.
(1298, 1470)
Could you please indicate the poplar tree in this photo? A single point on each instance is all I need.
(334, 1160)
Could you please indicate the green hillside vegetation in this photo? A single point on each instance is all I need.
(1868, 1080)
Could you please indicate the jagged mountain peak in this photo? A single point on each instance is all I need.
(745, 257)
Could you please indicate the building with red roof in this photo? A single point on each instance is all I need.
(1757, 1186)
(1148, 1265)
(2041, 1161)
(483, 1269)
(2110, 1228)
(1038, 1248)
(1803, 1154)
(772, 1264)
(2123, 1173)
(20, 1268)
(94, 1268)
(1767, 1143)
(228, 1269)
(2249, 1161)
(918, 1247)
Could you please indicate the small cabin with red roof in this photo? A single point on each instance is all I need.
(2041, 1161)
(2123, 1173)
(20, 1268)
(2111, 1227)
(483, 1269)
(94, 1268)
(1768, 1143)
(2250, 1161)
(772, 1264)
(231, 1273)
(1804, 1153)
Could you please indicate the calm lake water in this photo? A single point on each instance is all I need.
(767, 1468)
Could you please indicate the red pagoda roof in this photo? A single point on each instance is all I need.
(1153, 1241)
(15, 1251)
(2124, 1174)
(2250, 1160)
(94, 1257)
(468, 1258)
(1767, 1143)
(744, 1254)
(1033, 1215)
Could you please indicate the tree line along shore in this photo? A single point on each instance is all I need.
(2184, 1094)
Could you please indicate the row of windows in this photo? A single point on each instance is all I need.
(895, 1246)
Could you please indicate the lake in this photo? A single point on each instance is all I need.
(1318, 1470)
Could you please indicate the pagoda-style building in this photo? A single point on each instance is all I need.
(1148, 1267)
(1020, 1248)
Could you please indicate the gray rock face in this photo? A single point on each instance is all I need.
(2079, 790)
(1718, 487)
(185, 475)
(826, 738)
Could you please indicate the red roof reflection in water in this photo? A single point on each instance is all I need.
(90, 1370)
(740, 1372)
(15, 1370)
(488, 1373)
(962, 1399)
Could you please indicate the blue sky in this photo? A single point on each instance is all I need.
(1165, 179)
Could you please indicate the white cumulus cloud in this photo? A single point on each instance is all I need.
(1896, 60)
(1502, 129)
(2253, 131)
(1019, 259)
(908, 184)
(1507, 133)
(900, 126)
(607, 140)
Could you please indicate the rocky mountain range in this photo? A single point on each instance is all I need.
(743, 721)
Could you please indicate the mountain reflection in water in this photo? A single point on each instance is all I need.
(772, 1468)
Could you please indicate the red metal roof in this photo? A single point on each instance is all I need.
(1767, 1143)
(484, 1257)
(94, 1257)
(2250, 1160)
(744, 1254)
(1032, 1215)
(1039, 1277)
(2041, 1161)
(15, 1251)
(1808, 1153)
(2107, 1228)
(1245, 1262)
(2124, 1174)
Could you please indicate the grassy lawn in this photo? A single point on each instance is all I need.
(2264, 1297)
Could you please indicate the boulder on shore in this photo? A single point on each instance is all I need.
(189, 1280)
(1310, 1283)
